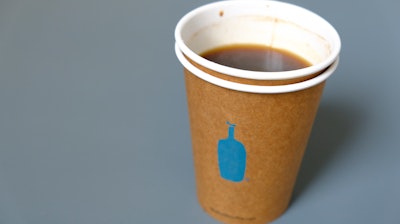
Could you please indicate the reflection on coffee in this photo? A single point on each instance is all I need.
(256, 58)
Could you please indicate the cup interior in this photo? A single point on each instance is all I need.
(270, 23)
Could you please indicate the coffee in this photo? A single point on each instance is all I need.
(256, 58)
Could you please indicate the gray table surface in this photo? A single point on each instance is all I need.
(94, 126)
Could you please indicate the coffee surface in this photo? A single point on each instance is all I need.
(256, 58)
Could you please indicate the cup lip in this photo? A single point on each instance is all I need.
(248, 74)
(256, 88)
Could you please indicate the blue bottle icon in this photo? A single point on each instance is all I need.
(231, 157)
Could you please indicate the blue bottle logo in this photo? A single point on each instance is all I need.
(231, 157)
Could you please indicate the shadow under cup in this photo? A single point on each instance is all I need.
(250, 129)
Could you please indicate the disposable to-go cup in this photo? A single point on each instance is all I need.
(250, 129)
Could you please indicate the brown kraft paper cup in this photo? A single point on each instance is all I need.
(249, 133)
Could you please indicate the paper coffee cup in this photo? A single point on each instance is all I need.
(250, 129)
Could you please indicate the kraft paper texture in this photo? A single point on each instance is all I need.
(247, 178)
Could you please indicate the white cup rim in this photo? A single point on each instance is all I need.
(255, 88)
(256, 75)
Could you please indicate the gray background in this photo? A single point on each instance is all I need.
(94, 127)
